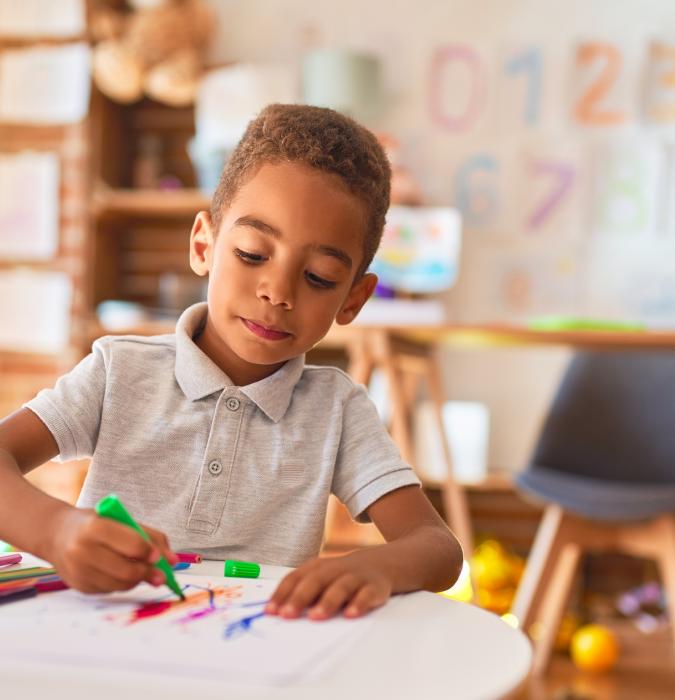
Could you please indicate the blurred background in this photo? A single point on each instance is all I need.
(532, 145)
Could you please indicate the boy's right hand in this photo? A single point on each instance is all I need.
(99, 555)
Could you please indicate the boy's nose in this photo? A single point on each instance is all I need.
(278, 294)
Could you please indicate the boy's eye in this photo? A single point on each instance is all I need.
(319, 281)
(250, 258)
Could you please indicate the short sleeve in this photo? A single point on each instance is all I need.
(71, 410)
(368, 464)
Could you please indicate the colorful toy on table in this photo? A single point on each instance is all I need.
(111, 507)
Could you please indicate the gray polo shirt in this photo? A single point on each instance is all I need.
(227, 471)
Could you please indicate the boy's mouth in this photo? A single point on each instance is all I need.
(262, 331)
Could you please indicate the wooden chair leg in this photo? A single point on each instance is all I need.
(455, 501)
(540, 563)
(553, 605)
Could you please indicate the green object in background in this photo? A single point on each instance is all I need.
(572, 323)
(241, 569)
(111, 507)
(5, 547)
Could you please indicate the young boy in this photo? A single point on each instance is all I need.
(219, 435)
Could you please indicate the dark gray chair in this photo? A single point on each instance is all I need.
(604, 465)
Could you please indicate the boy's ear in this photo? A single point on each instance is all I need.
(201, 244)
(358, 296)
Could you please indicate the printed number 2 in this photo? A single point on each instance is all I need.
(589, 110)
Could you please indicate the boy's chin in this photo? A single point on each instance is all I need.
(265, 356)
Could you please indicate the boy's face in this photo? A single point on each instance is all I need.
(282, 266)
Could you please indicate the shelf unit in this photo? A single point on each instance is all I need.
(23, 374)
(143, 203)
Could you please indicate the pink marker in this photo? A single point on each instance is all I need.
(9, 559)
(189, 557)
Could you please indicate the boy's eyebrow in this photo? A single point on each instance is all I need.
(337, 253)
(263, 227)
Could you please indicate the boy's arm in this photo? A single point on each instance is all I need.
(421, 553)
(90, 553)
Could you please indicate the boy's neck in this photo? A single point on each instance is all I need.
(239, 371)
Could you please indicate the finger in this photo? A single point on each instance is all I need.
(367, 598)
(282, 591)
(304, 594)
(335, 596)
(119, 538)
(126, 573)
(90, 579)
(161, 542)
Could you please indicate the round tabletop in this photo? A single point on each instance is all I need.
(420, 645)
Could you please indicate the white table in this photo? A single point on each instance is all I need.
(420, 646)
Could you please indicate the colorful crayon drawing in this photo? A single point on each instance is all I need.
(219, 631)
(420, 249)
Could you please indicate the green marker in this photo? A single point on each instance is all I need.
(111, 507)
(241, 569)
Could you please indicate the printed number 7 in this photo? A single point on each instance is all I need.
(562, 180)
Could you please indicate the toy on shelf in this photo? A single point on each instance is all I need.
(150, 47)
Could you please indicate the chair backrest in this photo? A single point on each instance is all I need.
(613, 418)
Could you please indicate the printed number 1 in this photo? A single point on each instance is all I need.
(529, 62)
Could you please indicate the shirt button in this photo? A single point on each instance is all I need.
(232, 403)
(215, 467)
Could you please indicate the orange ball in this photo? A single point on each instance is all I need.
(594, 648)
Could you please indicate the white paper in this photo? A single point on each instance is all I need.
(45, 85)
(401, 312)
(29, 206)
(218, 632)
(42, 18)
(34, 311)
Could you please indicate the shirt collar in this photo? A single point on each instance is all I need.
(198, 376)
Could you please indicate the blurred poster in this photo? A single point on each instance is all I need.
(628, 180)
(49, 85)
(42, 18)
(35, 313)
(29, 206)
(420, 248)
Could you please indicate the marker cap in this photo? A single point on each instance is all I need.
(241, 569)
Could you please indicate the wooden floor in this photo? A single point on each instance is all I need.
(645, 671)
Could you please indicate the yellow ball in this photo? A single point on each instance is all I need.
(594, 648)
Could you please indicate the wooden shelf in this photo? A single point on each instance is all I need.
(149, 203)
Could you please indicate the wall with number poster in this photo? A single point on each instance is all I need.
(551, 125)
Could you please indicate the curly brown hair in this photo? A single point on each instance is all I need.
(323, 139)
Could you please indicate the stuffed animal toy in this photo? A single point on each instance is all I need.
(150, 47)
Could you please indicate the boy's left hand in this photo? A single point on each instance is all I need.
(324, 586)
